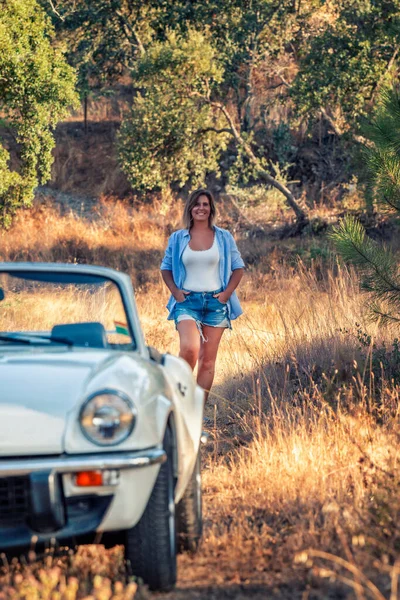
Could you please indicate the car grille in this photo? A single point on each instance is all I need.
(14, 500)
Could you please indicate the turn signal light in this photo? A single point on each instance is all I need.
(89, 478)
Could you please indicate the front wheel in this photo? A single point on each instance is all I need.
(150, 546)
(189, 515)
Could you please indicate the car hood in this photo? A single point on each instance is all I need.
(37, 391)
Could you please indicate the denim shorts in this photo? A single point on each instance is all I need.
(204, 309)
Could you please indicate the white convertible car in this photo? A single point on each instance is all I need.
(98, 432)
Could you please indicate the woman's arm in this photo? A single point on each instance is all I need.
(237, 271)
(231, 287)
(166, 271)
(178, 294)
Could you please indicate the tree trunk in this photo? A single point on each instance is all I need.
(85, 111)
(301, 215)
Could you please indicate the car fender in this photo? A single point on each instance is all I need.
(188, 407)
(144, 383)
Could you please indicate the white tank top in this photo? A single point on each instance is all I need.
(202, 269)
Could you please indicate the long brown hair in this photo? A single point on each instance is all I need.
(191, 202)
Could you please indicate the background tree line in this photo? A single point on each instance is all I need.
(243, 91)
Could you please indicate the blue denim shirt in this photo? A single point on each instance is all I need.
(230, 260)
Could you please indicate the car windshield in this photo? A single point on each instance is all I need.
(76, 309)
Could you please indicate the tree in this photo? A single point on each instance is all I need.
(104, 36)
(181, 121)
(346, 62)
(246, 35)
(378, 266)
(36, 91)
(171, 134)
(107, 37)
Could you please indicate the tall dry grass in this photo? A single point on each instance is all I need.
(67, 575)
(301, 474)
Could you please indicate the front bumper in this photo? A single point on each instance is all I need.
(84, 462)
(34, 501)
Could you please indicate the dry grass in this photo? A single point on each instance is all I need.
(114, 233)
(301, 475)
(41, 307)
(89, 573)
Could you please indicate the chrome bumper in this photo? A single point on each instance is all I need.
(81, 462)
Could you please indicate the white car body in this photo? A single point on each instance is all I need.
(42, 391)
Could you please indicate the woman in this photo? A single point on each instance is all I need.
(202, 268)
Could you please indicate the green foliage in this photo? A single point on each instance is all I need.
(242, 172)
(171, 134)
(104, 37)
(341, 66)
(382, 361)
(36, 90)
(343, 52)
(258, 195)
(284, 147)
(377, 265)
(382, 157)
(378, 363)
(243, 32)
(108, 38)
(10, 188)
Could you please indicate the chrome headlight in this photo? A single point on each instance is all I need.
(107, 417)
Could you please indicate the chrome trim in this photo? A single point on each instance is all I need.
(82, 462)
(130, 405)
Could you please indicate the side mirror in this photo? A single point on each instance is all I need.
(2, 294)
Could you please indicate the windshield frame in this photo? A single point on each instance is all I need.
(120, 280)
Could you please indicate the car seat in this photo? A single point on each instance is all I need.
(90, 335)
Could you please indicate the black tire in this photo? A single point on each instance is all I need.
(189, 517)
(150, 546)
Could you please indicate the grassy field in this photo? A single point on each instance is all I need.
(301, 475)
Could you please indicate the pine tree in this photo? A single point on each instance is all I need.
(377, 264)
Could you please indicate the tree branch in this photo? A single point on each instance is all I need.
(382, 77)
(130, 31)
(55, 11)
(384, 316)
(331, 122)
(301, 215)
(283, 80)
(369, 263)
(275, 87)
(337, 131)
(299, 212)
(215, 130)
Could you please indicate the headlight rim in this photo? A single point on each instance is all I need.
(113, 392)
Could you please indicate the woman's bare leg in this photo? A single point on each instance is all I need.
(189, 341)
(208, 356)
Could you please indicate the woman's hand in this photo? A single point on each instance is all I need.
(180, 295)
(223, 296)
(232, 285)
